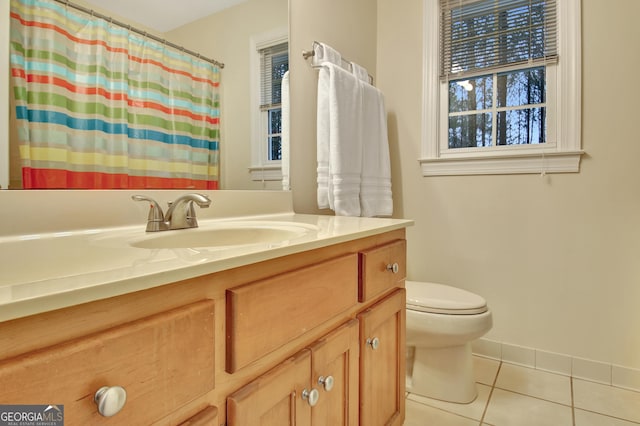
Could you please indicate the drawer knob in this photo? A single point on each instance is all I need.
(393, 267)
(326, 382)
(311, 396)
(374, 343)
(110, 400)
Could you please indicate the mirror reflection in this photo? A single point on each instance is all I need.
(220, 127)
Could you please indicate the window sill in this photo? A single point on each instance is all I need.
(530, 163)
(265, 173)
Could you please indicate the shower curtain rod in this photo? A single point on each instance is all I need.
(142, 33)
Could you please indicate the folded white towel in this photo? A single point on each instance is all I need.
(322, 138)
(286, 185)
(375, 190)
(360, 72)
(345, 142)
(324, 53)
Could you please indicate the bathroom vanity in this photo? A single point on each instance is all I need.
(307, 331)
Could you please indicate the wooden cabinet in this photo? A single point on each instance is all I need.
(275, 397)
(206, 417)
(264, 315)
(235, 347)
(381, 268)
(315, 387)
(382, 365)
(335, 374)
(363, 359)
(162, 362)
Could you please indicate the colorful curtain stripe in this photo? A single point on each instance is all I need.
(99, 106)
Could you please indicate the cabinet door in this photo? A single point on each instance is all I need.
(335, 374)
(275, 398)
(206, 417)
(163, 362)
(382, 367)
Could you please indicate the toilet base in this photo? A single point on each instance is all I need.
(444, 373)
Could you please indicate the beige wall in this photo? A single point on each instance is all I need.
(225, 36)
(557, 257)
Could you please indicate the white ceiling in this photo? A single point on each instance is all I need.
(163, 15)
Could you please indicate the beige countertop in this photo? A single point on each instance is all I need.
(58, 267)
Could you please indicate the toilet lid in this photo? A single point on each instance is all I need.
(443, 299)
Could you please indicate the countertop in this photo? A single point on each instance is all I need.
(60, 268)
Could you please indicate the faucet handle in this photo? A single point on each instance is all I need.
(155, 220)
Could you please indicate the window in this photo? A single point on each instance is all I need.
(274, 63)
(270, 54)
(502, 87)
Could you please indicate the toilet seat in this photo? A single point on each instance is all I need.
(443, 299)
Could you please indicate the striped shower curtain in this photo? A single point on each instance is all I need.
(99, 106)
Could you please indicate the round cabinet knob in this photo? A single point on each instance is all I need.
(326, 382)
(311, 396)
(110, 400)
(374, 343)
(394, 267)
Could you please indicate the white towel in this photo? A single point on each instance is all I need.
(286, 185)
(324, 53)
(345, 142)
(360, 72)
(375, 190)
(322, 138)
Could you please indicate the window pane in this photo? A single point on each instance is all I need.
(275, 148)
(470, 95)
(524, 87)
(522, 126)
(275, 121)
(473, 45)
(279, 66)
(274, 138)
(524, 32)
(480, 34)
(472, 130)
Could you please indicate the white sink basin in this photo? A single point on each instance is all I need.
(224, 234)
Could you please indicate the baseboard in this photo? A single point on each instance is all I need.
(580, 368)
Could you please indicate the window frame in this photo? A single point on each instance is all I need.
(261, 168)
(560, 154)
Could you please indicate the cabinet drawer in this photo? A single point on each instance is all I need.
(377, 271)
(162, 361)
(264, 315)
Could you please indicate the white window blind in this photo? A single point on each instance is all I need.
(274, 62)
(483, 35)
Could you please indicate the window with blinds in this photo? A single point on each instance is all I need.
(274, 63)
(495, 57)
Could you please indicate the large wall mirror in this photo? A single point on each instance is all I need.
(232, 35)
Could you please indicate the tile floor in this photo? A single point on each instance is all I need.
(511, 395)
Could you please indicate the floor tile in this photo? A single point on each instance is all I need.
(472, 410)
(536, 383)
(509, 408)
(423, 415)
(485, 370)
(587, 418)
(608, 400)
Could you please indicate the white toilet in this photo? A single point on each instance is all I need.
(441, 323)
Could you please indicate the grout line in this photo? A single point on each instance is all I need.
(493, 385)
(573, 405)
(609, 416)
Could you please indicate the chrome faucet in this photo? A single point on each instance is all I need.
(181, 213)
